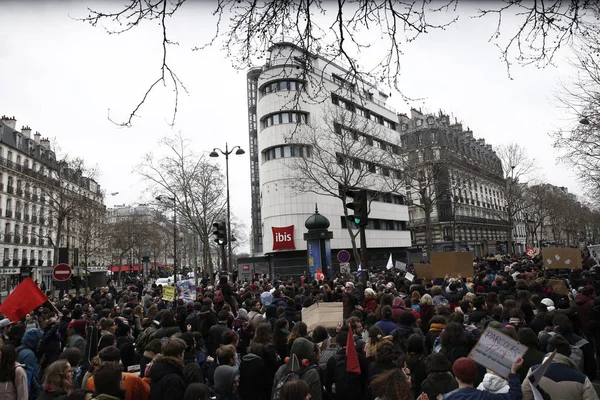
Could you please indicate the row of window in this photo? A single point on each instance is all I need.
(286, 151)
(286, 117)
(377, 224)
(363, 112)
(282, 85)
(369, 166)
(340, 129)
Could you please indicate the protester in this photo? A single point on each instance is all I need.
(13, 377)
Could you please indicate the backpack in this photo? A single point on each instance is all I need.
(219, 298)
(576, 353)
(293, 375)
(345, 384)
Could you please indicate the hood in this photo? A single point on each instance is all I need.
(398, 303)
(165, 366)
(562, 359)
(31, 338)
(251, 357)
(582, 299)
(224, 376)
(303, 349)
(493, 383)
(404, 330)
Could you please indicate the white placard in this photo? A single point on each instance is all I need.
(409, 276)
(400, 265)
(497, 351)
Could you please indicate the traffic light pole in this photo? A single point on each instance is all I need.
(364, 259)
(223, 258)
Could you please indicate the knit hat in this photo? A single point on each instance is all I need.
(4, 323)
(549, 304)
(465, 370)
(242, 313)
(78, 326)
(560, 344)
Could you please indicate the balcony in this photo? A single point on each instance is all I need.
(34, 219)
(18, 215)
(15, 263)
(26, 217)
(10, 189)
(7, 238)
(34, 197)
(25, 239)
(6, 262)
(24, 262)
(19, 192)
(17, 239)
(33, 262)
(9, 213)
(27, 195)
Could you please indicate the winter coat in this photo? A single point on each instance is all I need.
(398, 308)
(369, 305)
(78, 342)
(376, 368)
(255, 318)
(50, 346)
(386, 326)
(589, 359)
(224, 378)
(166, 376)
(51, 393)
(531, 357)
(493, 384)
(18, 389)
(562, 381)
(255, 380)
(166, 332)
(583, 305)
(514, 392)
(127, 349)
(537, 323)
(439, 383)
(309, 375)
(349, 304)
(27, 356)
(215, 335)
(417, 365)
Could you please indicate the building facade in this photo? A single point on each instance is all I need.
(285, 100)
(31, 181)
(461, 178)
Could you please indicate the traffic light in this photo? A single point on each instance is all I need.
(359, 205)
(221, 233)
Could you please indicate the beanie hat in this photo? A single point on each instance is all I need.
(465, 370)
(549, 304)
(560, 344)
(78, 326)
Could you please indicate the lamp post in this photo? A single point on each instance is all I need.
(162, 198)
(226, 153)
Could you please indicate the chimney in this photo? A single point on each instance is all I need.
(11, 122)
(26, 131)
(37, 137)
(45, 143)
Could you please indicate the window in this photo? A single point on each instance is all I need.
(356, 164)
(283, 85)
(404, 127)
(286, 151)
(371, 168)
(284, 118)
(430, 120)
(335, 100)
(19, 140)
(419, 122)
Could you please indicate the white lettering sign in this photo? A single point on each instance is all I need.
(497, 351)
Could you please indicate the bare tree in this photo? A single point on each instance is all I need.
(92, 232)
(517, 168)
(196, 184)
(342, 153)
(127, 234)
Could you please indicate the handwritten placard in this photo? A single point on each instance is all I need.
(497, 351)
(168, 293)
(559, 257)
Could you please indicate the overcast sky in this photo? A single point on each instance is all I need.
(61, 76)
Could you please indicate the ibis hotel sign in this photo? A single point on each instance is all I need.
(283, 238)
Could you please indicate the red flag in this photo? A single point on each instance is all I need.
(25, 298)
(352, 364)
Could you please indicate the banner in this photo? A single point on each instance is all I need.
(561, 257)
(168, 293)
(424, 271)
(497, 351)
(186, 290)
(314, 256)
(452, 263)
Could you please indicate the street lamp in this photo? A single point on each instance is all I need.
(226, 153)
(163, 198)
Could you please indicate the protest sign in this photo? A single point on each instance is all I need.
(497, 351)
(329, 315)
(423, 271)
(168, 293)
(559, 257)
(559, 286)
(452, 263)
(400, 265)
(186, 290)
(409, 276)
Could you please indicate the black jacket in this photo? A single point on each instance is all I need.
(215, 335)
(166, 377)
(530, 358)
(52, 394)
(255, 379)
(348, 385)
(440, 383)
(537, 323)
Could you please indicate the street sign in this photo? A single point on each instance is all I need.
(345, 268)
(343, 256)
(62, 272)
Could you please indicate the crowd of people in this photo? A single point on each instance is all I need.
(400, 339)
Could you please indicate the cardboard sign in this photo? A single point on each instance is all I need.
(497, 351)
(168, 293)
(424, 271)
(409, 276)
(559, 286)
(558, 257)
(452, 263)
(329, 315)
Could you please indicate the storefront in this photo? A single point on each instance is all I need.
(9, 279)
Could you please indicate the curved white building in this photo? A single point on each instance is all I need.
(284, 106)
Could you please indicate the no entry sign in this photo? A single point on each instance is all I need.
(343, 256)
(62, 272)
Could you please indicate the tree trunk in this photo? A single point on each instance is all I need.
(509, 233)
(195, 259)
(428, 237)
